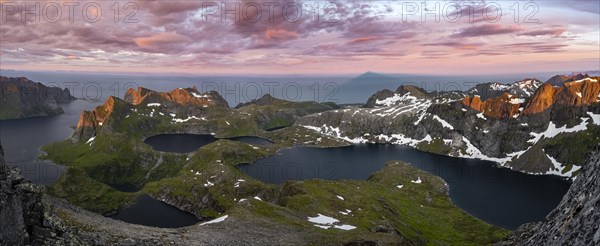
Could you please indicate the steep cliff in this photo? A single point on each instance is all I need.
(570, 94)
(23, 98)
(90, 122)
(542, 99)
(503, 106)
(575, 220)
(20, 206)
(506, 101)
(24, 217)
(180, 96)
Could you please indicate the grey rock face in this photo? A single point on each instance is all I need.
(576, 219)
(521, 89)
(12, 224)
(24, 218)
(380, 95)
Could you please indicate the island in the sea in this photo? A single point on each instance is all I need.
(23, 98)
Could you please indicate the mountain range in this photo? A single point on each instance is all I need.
(528, 126)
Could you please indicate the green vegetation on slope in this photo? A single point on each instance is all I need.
(78, 188)
(415, 214)
(573, 149)
(208, 184)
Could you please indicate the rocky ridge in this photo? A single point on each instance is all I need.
(25, 217)
(559, 80)
(546, 133)
(191, 111)
(180, 96)
(575, 220)
(519, 89)
(23, 98)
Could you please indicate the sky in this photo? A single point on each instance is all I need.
(301, 37)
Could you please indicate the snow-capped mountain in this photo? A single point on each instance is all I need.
(526, 126)
(521, 89)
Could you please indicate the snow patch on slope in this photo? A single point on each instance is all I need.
(443, 122)
(217, 220)
(559, 168)
(326, 222)
(552, 130)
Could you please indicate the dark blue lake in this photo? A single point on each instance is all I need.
(496, 195)
(151, 212)
(185, 143)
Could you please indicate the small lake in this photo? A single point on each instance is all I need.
(151, 212)
(179, 143)
(186, 143)
(499, 196)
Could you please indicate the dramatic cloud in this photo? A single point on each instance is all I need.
(273, 37)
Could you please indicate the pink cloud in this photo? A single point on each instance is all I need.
(280, 34)
(165, 38)
(486, 30)
(361, 40)
(555, 31)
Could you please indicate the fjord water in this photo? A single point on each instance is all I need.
(499, 196)
(22, 140)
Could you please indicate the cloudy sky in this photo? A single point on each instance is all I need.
(468, 37)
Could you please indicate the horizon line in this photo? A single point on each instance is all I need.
(564, 72)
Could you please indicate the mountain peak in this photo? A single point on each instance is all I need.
(413, 90)
(560, 79)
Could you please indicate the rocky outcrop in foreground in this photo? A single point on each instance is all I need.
(23, 98)
(575, 220)
(30, 217)
(24, 217)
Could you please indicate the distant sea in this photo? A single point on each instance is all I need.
(344, 89)
(22, 139)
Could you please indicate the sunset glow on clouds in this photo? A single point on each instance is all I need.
(348, 38)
